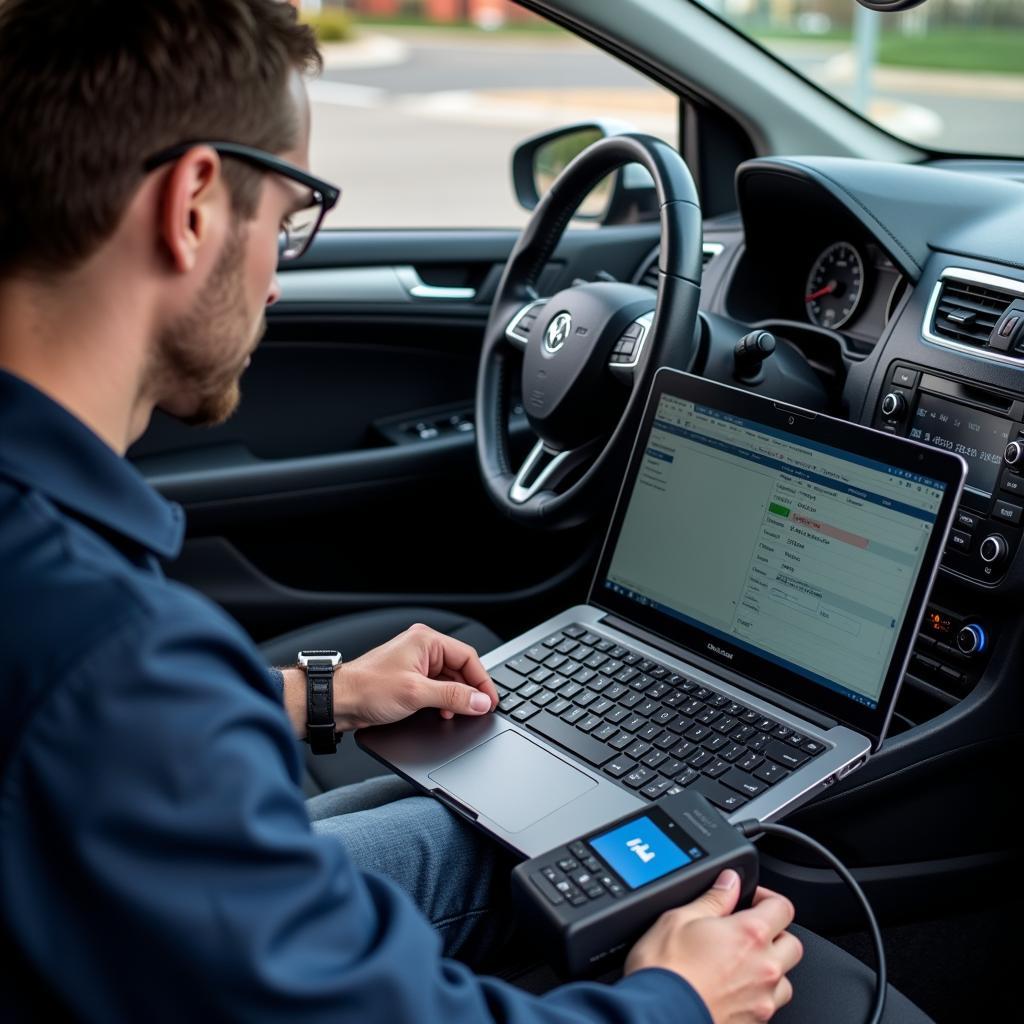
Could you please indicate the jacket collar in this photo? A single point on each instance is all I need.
(45, 447)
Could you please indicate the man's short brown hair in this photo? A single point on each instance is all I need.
(90, 88)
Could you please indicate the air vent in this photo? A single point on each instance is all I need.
(967, 312)
(649, 276)
(971, 311)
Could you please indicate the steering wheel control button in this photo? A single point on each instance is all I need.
(520, 326)
(1007, 512)
(960, 541)
(627, 348)
(971, 639)
(894, 405)
(993, 549)
(1013, 453)
(903, 377)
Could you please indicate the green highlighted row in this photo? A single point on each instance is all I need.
(778, 510)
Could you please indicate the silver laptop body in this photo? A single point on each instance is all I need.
(533, 794)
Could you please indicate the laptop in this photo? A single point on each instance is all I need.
(754, 606)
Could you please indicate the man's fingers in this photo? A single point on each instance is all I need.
(774, 910)
(718, 901)
(446, 652)
(783, 993)
(787, 950)
(451, 696)
(488, 687)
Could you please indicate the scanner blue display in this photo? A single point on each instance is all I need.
(639, 852)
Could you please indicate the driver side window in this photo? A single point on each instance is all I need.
(418, 124)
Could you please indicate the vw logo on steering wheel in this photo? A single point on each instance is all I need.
(557, 333)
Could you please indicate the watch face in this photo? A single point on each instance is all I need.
(334, 657)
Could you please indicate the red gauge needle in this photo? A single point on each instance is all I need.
(827, 290)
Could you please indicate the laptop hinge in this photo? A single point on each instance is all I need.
(684, 654)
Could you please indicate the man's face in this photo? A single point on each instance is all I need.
(200, 357)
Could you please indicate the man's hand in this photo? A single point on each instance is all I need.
(420, 668)
(736, 962)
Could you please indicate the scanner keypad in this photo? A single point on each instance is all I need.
(577, 878)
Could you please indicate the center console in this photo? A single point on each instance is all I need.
(985, 426)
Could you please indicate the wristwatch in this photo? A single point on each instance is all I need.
(321, 732)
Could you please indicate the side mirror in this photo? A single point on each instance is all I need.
(624, 195)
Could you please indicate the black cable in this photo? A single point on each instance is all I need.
(751, 829)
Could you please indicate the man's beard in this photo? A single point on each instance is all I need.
(190, 361)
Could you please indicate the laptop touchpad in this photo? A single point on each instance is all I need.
(512, 781)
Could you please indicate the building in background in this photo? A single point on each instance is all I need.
(485, 13)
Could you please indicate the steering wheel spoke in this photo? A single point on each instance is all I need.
(544, 469)
(523, 325)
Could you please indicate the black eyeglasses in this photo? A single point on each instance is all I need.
(301, 224)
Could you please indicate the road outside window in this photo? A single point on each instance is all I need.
(417, 119)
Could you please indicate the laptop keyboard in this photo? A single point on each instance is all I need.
(649, 728)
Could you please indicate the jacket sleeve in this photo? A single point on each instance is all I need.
(159, 863)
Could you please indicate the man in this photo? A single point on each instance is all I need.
(157, 859)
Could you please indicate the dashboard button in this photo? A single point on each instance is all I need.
(923, 666)
(966, 520)
(950, 675)
(904, 377)
(1006, 512)
(1012, 483)
(960, 541)
(1008, 326)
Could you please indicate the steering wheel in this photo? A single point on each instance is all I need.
(587, 353)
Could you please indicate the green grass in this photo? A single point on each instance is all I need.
(957, 50)
(949, 49)
(952, 49)
(531, 27)
(768, 34)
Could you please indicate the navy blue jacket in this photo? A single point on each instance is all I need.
(156, 860)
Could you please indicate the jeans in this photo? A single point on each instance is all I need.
(458, 877)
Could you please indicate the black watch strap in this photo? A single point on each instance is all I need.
(321, 731)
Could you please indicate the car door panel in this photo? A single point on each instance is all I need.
(347, 478)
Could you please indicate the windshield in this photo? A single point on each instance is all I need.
(947, 75)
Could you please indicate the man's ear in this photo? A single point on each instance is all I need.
(190, 198)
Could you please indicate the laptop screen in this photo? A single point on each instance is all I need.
(791, 549)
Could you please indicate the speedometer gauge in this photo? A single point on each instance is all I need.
(835, 286)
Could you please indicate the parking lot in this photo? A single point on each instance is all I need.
(418, 126)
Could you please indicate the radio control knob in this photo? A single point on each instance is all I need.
(993, 549)
(894, 405)
(971, 640)
(1013, 453)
